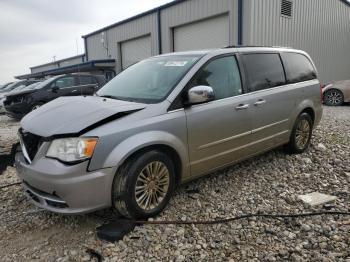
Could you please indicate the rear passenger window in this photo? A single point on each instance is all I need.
(263, 71)
(221, 74)
(298, 67)
(86, 80)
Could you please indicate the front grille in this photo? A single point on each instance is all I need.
(31, 142)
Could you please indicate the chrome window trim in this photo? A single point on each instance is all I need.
(255, 92)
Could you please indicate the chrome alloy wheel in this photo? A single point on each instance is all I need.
(334, 98)
(152, 185)
(302, 133)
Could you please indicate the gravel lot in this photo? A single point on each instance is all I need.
(269, 183)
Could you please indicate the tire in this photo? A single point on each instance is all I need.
(36, 106)
(134, 172)
(333, 97)
(300, 137)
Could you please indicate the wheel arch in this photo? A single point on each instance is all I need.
(152, 140)
(166, 149)
(311, 113)
(308, 106)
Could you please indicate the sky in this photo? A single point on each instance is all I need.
(32, 32)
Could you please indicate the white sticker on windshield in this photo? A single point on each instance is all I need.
(176, 63)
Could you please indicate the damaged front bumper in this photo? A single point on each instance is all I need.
(65, 189)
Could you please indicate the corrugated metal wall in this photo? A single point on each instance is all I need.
(320, 27)
(146, 25)
(95, 49)
(60, 63)
(43, 68)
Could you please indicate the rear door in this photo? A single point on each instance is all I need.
(218, 131)
(274, 100)
(87, 85)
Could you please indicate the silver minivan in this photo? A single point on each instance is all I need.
(164, 121)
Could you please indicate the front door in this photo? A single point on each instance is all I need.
(218, 131)
(64, 86)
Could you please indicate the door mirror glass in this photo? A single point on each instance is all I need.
(200, 94)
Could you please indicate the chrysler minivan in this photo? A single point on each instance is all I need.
(164, 121)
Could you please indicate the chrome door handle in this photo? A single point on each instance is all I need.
(242, 106)
(260, 102)
(74, 91)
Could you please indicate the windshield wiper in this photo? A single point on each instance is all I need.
(108, 96)
(116, 97)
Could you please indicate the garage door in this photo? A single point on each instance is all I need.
(210, 33)
(135, 50)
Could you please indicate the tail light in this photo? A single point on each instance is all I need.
(321, 92)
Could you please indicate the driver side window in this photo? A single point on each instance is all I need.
(221, 74)
(64, 82)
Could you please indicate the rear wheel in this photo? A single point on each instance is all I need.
(333, 97)
(142, 187)
(301, 134)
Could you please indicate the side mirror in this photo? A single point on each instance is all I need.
(200, 94)
(54, 89)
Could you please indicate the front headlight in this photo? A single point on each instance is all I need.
(72, 149)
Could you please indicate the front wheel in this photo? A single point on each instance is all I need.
(142, 187)
(301, 134)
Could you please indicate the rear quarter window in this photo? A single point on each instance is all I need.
(263, 71)
(298, 68)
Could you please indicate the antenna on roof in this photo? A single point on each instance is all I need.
(81, 90)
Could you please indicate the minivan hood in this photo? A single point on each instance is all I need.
(71, 115)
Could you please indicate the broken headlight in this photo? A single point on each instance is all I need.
(72, 149)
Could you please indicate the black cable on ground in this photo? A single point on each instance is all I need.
(9, 185)
(116, 229)
(226, 220)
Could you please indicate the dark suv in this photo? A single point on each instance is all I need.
(18, 104)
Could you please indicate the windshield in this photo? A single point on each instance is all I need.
(39, 85)
(12, 86)
(4, 86)
(30, 87)
(149, 81)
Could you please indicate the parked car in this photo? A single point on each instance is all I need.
(17, 84)
(164, 121)
(5, 85)
(337, 93)
(18, 104)
(13, 87)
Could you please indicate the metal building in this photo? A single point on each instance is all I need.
(72, 64)
(320, 27)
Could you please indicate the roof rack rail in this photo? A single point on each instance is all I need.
(241, 46)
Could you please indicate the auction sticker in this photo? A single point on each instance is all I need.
(176, 63)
